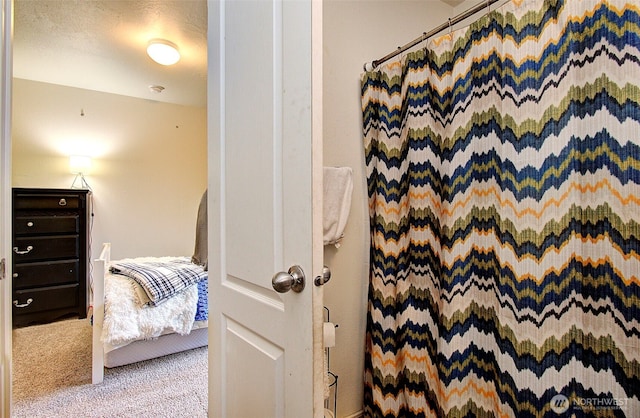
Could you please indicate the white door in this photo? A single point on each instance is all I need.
(5, 207)
(264, 124)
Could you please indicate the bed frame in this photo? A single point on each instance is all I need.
(138, 350)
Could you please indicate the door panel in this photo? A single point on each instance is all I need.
(251, 112)
(252, 355)
(262, 214)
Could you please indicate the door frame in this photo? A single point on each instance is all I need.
(317, 162)
(6, 75)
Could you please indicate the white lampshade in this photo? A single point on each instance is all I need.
(79, 164)
(163, 52)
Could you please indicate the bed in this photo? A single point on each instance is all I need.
(125, 331)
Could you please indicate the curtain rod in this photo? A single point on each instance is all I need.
(426, 35)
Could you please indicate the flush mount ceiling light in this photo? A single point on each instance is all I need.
(163, 52)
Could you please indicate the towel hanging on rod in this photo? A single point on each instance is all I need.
(426, 35)
(337, 188)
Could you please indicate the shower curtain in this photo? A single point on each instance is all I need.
(503, 172)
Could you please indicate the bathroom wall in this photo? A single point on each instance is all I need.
(356, 32)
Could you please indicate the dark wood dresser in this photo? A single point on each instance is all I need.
(50, 254)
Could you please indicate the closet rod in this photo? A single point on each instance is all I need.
(426, 35)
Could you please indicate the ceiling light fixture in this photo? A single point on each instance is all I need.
(163, 52)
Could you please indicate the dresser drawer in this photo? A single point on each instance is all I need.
(35, 224)
(44, 248)
(46, 201)
(45, 273)
(45, 299)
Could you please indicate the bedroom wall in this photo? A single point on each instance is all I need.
(356, 32)
(149, 162)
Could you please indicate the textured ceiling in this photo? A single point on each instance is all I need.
(101, 45)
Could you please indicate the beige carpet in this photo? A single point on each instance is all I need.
(52, 378)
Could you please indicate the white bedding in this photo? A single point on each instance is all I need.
(127, 320)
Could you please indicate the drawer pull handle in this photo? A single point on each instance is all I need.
(24, 305)
(15, 275)
(62, 202)
(30, 224)
(17, 251)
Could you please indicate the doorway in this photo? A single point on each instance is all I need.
(148, 148)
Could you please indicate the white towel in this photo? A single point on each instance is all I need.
(337, 187)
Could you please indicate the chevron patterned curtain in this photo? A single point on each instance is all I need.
(503, 165)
